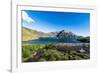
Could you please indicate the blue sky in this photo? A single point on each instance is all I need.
(78, 23)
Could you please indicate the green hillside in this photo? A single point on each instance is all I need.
(29, 34)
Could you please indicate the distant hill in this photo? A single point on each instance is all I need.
(29, 34)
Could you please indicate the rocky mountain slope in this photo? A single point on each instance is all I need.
(29, 34)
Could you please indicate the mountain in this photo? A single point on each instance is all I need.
(63, 34)
(29, 34)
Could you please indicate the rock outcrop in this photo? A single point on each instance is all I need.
(63, 34)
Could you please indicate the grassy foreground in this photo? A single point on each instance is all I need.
(48, 52)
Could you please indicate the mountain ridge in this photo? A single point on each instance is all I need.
(29, 34)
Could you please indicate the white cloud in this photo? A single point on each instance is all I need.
(26, 18)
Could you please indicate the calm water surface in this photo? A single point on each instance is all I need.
(52, 40)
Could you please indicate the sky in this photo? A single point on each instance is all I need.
(46, 21)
